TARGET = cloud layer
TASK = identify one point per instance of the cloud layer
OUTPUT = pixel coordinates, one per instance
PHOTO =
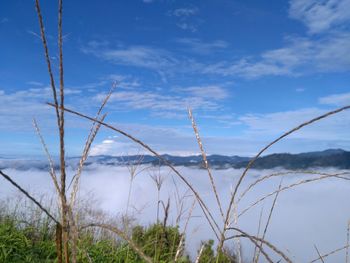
(306, 211)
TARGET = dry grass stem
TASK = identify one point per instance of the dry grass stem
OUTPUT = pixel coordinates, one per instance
(288, 187)
(214, 226)
(261, 179)
(269, 218)
(319, 254)
(182, 239)
(200, 253)
(92, 134)
(329, 253)
(262, 151)
(82, 161)
(237, 240)
(47, 57)
(263, 241)
(205, 161)
(51, 163)
(59, 116)
(347, 242)
(8, 178)
(260, 248)
(258, 233)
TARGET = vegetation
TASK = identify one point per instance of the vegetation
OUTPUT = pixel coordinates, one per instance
(34, 241)
(68, 234)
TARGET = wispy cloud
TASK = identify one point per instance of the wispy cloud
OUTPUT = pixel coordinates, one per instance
(336, 99)
(198, 46)
(185, 18)
(320, 16)
(273, 124)
(157, 102)
(185, 12)
(139, 56)
(300, 56)
(213, 92)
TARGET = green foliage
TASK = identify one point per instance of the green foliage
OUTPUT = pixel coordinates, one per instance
(21, 245)
(35, 242)
(158, 242)
(208, 255)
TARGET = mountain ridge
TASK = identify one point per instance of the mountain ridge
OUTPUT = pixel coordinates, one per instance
(337, 158)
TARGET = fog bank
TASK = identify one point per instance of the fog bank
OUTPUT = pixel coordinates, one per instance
(311, 214)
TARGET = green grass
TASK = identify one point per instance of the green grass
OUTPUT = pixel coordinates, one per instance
(34, 241)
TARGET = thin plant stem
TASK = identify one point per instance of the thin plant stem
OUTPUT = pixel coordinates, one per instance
(8, 178)
(206, 211)
(319, 254)
(205, 161)
(347, 242)
(329, 253)
(288, 187)
(263, 241)
(51, 163)
(261, 179)
(200, 253)
(269, 218)
(124, 236)
(252, 161)
(258, 233)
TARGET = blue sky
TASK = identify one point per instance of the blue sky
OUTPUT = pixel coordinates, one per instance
(250, 70)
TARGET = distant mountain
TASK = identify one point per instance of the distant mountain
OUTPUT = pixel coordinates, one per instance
(329, 158)
(336, 158)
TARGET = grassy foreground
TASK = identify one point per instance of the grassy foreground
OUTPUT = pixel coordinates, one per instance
(30, 237)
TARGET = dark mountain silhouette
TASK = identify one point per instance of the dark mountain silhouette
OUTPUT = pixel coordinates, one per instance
(336, 158)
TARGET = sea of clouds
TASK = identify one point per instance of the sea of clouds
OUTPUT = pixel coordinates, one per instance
(311, 214)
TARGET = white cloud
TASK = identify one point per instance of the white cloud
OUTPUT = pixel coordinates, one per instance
(274, 124)
(306, 204)
(139, 56)
(300, 56)
(185, 12)
(17, 109)
(35, 83)
(185, 18)
(336, 99)
(320, 15)
(209, 92)
(187, 26)
(198, 46)
(163, 104)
